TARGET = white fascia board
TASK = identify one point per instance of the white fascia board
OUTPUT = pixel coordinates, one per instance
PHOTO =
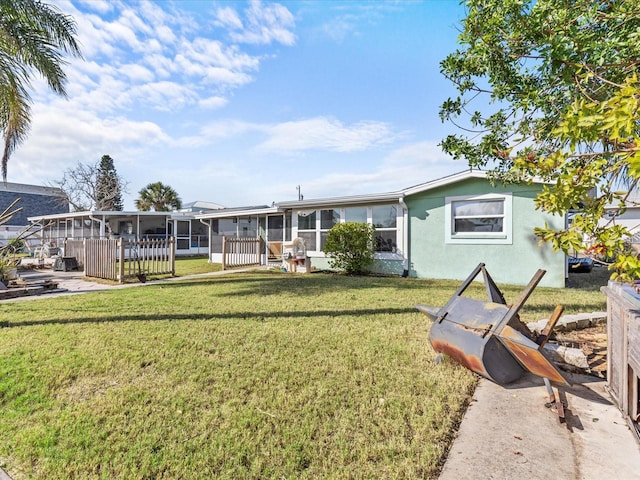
(455, 178)
(102, 213)
(337, 201)
(237, 213)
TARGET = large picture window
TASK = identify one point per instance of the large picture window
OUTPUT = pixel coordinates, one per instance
(383, 217)
(355, 214)
(478, 219)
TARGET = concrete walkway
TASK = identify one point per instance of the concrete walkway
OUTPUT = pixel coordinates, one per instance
(509, 433)
(72, 283)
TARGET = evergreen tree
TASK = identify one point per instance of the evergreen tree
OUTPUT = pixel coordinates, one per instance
(108, 186)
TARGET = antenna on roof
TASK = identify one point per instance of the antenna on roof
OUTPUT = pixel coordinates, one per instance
(300, 196)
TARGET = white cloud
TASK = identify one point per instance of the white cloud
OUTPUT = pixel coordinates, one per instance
(227, 17)
(212, 103)
(64, 139)
(100, 7)
(322, 133)
(264, 24)
(162, 96)
(136, 73)
(340, 28)
(403, 167)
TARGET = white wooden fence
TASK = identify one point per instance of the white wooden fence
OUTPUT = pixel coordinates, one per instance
(120, 259)
(241, 252)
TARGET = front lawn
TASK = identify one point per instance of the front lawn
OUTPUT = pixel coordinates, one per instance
(262, 375)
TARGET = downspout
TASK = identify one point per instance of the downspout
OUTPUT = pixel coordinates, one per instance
(101, 222)
(209, 229)
(405, 236)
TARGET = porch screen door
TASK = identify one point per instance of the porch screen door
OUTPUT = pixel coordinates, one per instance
(275, 230)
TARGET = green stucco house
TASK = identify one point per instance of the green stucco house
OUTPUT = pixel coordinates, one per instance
(459, 221)
(438, 229)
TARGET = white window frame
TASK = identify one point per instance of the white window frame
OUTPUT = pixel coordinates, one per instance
(398, 229)
(497, 238)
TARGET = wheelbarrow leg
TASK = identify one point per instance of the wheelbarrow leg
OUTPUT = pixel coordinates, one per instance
(554, 401)
(541, 340)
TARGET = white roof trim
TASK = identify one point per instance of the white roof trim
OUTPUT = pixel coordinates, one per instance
(454, 178)
(100, 213)
(239, 212)
(350, 200)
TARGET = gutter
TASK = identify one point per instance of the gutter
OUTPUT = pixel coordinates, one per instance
(405, 236)
(102, 224)
(208, 225)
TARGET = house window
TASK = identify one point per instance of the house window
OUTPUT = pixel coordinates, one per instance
(355, 214)
(478, 219)
(328, 218)
(247, 227)
(383, 217)
(307, 228)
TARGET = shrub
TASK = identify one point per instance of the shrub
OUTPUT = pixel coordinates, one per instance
(351, 246)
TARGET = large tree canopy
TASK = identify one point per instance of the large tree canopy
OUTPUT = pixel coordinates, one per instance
(34, 37)
(549, 88)
(159, 197)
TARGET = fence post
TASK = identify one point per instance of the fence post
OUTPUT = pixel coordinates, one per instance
(224, 252)
(121, 260)
(172, 256)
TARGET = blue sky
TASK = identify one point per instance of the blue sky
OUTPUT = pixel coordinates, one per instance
(239, 102)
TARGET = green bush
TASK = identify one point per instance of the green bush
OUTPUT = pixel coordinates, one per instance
(351, 246)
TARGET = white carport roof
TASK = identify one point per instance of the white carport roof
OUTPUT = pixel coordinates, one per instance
(237, 212)
(113, 213)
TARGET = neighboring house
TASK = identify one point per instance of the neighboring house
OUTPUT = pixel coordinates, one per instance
(629, 218)
(199, 207)
(438, 229)
(34, 200)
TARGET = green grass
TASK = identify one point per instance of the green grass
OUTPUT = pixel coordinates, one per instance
(195, 265)
(262, 375)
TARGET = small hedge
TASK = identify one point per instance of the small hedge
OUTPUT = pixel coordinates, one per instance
(351, 246)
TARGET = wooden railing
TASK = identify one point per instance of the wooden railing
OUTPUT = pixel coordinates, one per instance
(241, 252)
(119, 259)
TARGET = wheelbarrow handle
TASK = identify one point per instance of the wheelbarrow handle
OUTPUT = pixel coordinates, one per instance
(548, 328)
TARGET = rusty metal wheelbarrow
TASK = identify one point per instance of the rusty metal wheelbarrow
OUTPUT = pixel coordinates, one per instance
(489, 338)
